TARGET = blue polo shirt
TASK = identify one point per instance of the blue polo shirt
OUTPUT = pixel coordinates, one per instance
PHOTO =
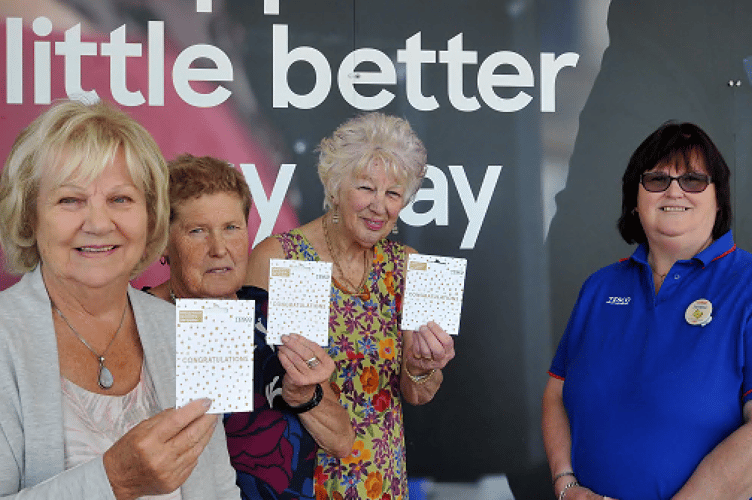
(648, 394)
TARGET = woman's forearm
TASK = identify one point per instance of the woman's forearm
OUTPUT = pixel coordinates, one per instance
(725, 472)
(556, 434)
(329, 424)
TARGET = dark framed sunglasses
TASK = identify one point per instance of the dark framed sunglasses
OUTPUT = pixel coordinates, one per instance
(690, 182)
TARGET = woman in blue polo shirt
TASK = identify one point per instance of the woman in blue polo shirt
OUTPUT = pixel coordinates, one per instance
(649, 390)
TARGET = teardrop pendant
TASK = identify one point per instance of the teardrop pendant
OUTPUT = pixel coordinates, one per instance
(105, 378)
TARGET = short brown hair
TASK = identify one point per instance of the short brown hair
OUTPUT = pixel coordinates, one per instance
(674, 142)
(193, 176)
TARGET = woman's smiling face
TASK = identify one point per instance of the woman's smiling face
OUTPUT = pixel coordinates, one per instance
(91, 234)
(369, 204)
(676, 214)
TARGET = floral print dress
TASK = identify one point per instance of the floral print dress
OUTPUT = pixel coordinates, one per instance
(365, 343)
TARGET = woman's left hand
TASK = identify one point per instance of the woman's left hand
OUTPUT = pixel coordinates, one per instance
(306, 364)
(429, 347)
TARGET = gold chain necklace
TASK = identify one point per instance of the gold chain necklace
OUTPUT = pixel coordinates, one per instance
(360, 290)
(104, 375)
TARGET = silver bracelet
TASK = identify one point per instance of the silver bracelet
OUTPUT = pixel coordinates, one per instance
(562, 474)
(563, 492)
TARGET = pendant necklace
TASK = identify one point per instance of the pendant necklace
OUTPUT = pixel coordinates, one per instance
(360, 291)
(661, 277)
(104, 375)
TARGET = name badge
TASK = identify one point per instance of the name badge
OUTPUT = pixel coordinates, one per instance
(699, 312)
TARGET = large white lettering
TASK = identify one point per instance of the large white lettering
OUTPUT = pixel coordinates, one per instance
(72, 49)
(268, 207)
(438, 194)
(282, 59)
(500, 70)
(348, 77)
(183, 73)
(365, 90)
(475, 207)
(118, 50)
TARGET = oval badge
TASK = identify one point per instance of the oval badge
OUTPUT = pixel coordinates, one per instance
(699, 312)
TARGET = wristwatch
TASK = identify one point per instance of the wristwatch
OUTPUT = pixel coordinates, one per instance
(318, 395)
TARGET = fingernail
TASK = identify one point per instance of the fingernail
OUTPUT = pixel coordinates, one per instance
(206, 403)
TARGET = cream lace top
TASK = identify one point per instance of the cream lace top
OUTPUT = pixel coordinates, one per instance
(93, 422)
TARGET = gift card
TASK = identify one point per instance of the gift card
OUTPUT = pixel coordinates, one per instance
(433, 292)
(299, 292)
(214, 353)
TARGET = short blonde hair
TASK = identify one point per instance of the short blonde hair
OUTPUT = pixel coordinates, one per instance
(82, 139)
(368, 139)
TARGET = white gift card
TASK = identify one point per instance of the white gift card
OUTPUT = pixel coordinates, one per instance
(214, 353)
(433, 292)
(299, 293)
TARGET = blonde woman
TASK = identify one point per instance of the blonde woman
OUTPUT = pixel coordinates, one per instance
(87, 363)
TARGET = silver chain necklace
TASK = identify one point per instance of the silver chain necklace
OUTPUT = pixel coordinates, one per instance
(104, 375)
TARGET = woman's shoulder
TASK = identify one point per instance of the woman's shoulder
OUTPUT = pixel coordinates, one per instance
(301, 243)
(615, 271)
(394, 250)
(738, 265)
(25, 315)
(297, 236)
(395, 247)
(26, 295)
(147, 305)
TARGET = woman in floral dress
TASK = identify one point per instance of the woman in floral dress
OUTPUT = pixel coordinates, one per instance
(370, 167)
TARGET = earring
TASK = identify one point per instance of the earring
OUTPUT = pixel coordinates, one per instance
(395, 229)
(335, 216)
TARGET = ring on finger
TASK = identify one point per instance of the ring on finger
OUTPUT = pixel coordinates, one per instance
(313, 362)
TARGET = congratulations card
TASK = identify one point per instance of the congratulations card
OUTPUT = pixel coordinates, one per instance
(299, 300)
(214, 353)
(433, 292)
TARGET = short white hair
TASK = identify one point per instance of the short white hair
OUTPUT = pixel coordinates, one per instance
(367, 140)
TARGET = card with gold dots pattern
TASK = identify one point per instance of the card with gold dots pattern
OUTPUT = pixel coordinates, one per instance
(434, 286)
(214, 353)
(299, 293)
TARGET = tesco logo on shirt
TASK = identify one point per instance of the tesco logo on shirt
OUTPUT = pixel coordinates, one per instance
(618, 301)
